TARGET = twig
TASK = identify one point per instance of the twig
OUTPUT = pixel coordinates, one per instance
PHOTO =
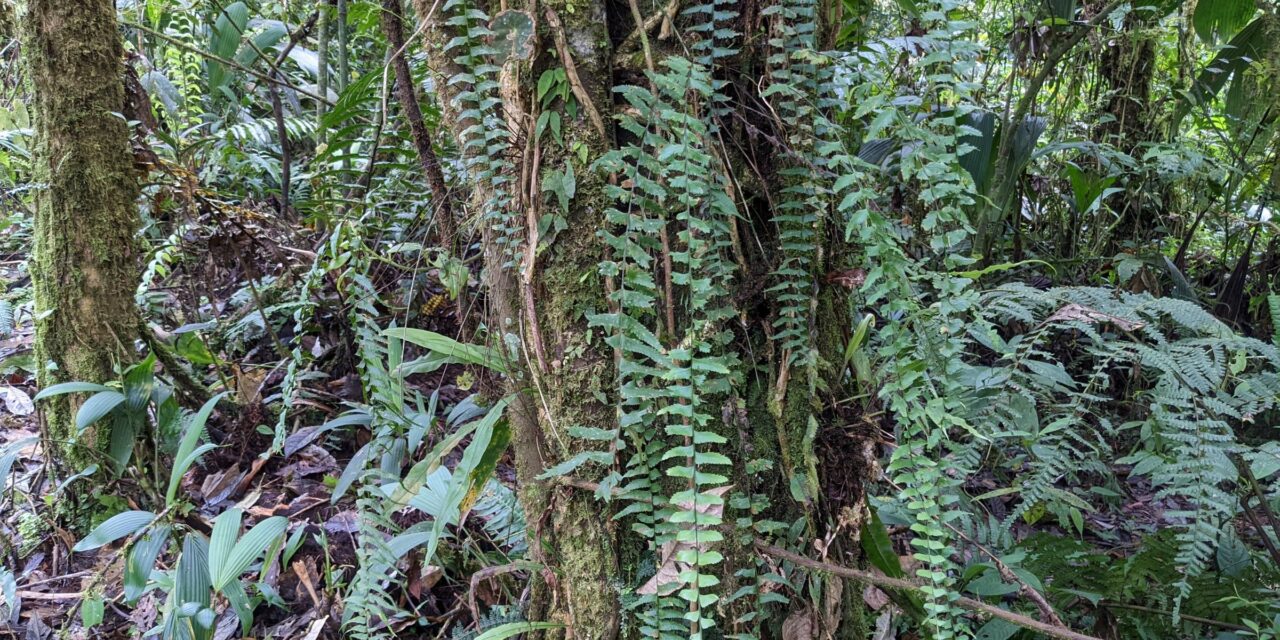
(1247, 472)
(69, 576)
(184, 379)
(571, 73)
(644, 35)
(885, 582)
(266, 321)
(221, 60)
(393, 27)
(277, 109)
(649, 23)
(1138, 607)
(40, 595)
(1046, 610)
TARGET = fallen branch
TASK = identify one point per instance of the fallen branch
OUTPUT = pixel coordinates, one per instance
(882, 581)
(885, 582)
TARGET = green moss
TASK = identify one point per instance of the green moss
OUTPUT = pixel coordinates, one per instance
(84, 264)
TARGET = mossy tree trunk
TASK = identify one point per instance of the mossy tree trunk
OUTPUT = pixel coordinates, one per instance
(567, 372)
(84, 264)
(1127, 68)
(570, 374)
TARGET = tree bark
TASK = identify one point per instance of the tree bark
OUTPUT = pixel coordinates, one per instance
(567, 372)
(571, 538)
(1127, 68)
(84, 264)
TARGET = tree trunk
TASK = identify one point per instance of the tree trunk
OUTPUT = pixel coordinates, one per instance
(1127, 68)
(577, 588)
(84, 264)
(546, 297)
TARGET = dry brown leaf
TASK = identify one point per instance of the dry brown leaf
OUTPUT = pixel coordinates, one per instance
(832, 599)
(798, 626)
(1081, 313)
(218, 486)
(875, 598)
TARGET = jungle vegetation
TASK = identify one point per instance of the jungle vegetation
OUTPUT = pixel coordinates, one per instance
(619, 319)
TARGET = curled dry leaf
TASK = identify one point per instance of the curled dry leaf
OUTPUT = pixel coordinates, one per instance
(1081, 313)
(668, 572)
(18, 402)
(799, 626)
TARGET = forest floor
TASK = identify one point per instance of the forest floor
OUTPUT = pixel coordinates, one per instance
(304, 598)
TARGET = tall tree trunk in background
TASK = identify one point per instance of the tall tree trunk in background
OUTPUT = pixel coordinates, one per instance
(1127, 68)
(84, 264)
(785, 413)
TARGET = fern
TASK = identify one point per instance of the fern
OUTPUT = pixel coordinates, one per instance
(485, 142)
(793, 90)
(1198, 380)
(186, 69)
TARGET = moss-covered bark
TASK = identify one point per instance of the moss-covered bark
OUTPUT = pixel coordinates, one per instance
(568, 373)
(84, 265)
(572, 539)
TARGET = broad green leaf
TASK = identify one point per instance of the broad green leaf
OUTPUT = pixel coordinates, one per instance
(239, 600)
(350, 473)
(978, 161)
(116, 527)
(435, 458)
(997, 629)
(878, 548)
(142, 559)
(191, 581)
(1233, 556)
(510, 629)
(480, 475)
(224, 41)
(138, 383)
(460, 483)
(1221, 19)
(248, 549)
(186, 453)
(70, 387)
(97, 406)
(92, 611)
(432, 341)
(1249, 45)
(10, 456)
(1181, 287)
(123, 430)
(226, 528)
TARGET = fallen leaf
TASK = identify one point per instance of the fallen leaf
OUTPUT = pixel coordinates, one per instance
(18, 402)
(798, 626)
(875, 598)
(1081, 313)
(314, 630)
(343, 522)
(305, 569)
(218, 486)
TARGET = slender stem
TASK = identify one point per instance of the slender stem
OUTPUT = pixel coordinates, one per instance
(322, 68)
(900, 584)
(344, 67)
(221, 60)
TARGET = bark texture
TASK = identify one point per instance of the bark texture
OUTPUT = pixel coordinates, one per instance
(567, 372)
(85, 260)
(574, 541)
